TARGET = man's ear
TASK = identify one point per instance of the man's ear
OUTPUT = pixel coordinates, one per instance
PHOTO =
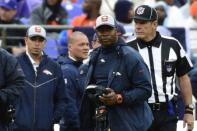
(97, 34)
(25, 39)
(155, 23)
(69, 47)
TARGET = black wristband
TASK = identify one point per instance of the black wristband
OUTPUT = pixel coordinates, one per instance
(188, 112)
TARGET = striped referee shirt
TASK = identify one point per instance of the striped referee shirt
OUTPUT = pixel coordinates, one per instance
(166, 59)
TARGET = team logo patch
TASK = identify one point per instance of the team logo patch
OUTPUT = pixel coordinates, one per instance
(104, 18)
(140, 10)
(169, 68)
(47, 72)
(102, 60)
(37, 29)
(81, 72)
(65, 81)
(117, 73)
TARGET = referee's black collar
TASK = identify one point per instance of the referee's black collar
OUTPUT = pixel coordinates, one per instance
(155, 42)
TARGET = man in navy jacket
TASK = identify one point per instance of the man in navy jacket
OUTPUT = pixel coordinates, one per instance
(123, 73)
(11, 84)
(42, 102)
(78, 47)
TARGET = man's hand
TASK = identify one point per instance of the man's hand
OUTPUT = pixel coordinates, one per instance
(189, 120)
(109, 98)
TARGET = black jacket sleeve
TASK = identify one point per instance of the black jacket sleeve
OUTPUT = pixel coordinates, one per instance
(12, 78)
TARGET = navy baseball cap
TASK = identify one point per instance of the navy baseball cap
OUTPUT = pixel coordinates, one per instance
(8, 4)
(145, 13)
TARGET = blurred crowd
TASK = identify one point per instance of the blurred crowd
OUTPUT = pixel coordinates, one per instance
(83, 13)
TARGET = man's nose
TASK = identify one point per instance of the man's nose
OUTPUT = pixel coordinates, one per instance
(37, 42)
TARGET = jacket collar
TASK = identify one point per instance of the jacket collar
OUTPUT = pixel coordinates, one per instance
(77, 63)
(42, 62)
(62, 60)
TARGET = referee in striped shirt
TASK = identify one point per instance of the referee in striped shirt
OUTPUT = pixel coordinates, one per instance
(166, 59)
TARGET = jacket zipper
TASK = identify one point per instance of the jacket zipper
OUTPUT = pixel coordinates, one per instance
(34, 102)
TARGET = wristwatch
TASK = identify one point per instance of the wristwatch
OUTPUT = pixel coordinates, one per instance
(119, 98)
(190, 106)
(189, 109)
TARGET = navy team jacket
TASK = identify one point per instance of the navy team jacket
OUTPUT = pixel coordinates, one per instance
(42, 102)
(130, 77)
(74, 89)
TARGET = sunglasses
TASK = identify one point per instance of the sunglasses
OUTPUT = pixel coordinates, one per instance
(37, 38)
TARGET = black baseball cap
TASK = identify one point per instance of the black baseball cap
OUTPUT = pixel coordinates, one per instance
(145, 13)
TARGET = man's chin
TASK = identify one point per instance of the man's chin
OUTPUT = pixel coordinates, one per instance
(36, 53)
(106, 44)
(140, 36)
